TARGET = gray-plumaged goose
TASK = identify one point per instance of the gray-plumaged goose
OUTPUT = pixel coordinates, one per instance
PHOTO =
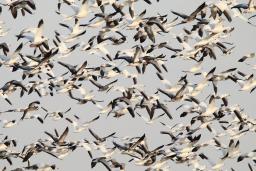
(100, 139)
(33, 149)
(192, 16)
(101, 160)
(106, 87)
(61, 139)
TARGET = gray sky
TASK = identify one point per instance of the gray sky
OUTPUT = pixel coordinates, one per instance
(30, 131)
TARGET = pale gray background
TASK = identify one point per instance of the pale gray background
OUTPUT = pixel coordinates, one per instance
(30, 130)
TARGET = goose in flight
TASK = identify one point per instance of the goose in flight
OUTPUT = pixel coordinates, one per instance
(87, 97)
(33, 106)
(63, 50)
(75, 31)
(81, 127)
(23, 5)
(100, 139)
(249, 7)
(59, 140)
(101, 160)
(80, 12)
(192, 16)
(106, 87)
(37, 39)
(10, 58)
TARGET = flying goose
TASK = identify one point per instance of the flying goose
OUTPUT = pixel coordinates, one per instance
(37, 39)
(61, 139)
(23, 5)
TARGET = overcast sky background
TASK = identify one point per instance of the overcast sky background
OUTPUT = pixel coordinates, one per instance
(29, 131)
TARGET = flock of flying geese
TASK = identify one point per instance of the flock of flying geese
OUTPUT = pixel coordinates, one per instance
(129, 43)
